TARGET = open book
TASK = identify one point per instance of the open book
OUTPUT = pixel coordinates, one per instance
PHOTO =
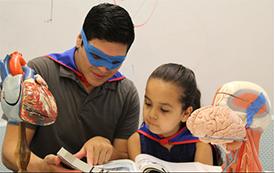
(143, 163)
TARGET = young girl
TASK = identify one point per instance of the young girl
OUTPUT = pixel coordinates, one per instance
(171, 95)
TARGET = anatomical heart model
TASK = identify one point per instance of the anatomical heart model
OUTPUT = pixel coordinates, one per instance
(240, 112)
(23, 101)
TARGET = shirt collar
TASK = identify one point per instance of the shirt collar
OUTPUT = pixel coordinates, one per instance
(69, 69)
(183, 136)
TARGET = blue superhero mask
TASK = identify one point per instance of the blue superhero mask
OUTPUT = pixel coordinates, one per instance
(101, 59)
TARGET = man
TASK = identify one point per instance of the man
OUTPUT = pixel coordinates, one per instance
(98, 108)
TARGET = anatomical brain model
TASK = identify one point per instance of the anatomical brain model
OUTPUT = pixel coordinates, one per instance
(216, 124)
(240, 112)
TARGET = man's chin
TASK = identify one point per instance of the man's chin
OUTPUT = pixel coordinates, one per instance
(96, 83)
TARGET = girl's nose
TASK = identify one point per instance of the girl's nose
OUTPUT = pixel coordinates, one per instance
(155, 117)
(153, 114)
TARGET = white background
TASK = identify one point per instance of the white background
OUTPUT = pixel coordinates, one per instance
(221, 40)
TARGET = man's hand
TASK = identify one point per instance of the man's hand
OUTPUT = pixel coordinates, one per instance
(98, 150)
(51, 163)
(40, 80)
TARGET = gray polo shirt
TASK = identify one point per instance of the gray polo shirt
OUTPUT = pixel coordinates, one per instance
(111, 110)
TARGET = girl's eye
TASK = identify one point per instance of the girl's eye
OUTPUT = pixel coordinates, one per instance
(164, 110)
(147, 104)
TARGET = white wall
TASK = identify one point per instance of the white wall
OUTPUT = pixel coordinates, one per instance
(221, 40)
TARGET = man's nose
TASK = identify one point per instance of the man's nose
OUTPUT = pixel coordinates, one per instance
(103, 69)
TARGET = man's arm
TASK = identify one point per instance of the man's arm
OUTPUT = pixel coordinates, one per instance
(49, 164)
(120, 150)
(128, 125)
(9, 145)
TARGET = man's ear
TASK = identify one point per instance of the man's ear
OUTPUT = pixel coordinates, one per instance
(186, 113)
(78, 41)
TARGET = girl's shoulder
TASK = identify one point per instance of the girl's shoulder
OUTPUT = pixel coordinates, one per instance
(134, 146)
(134, 137)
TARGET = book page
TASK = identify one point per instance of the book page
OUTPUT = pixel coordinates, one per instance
(122, 165)
(145, 163)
